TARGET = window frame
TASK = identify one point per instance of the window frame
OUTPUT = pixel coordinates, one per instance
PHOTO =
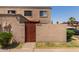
(30, 15)
(43, 16)
(12, 12)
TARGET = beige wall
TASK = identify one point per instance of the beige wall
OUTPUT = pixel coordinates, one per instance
(51, 32)
(18, 29)
(35, 12)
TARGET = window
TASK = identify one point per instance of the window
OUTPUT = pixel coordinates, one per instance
(43, 13)
(27, 13)
(11, 12)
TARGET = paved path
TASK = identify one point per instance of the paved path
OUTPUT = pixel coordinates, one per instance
(30, 47)
(58, 50)
(17, 50)
(42, 50)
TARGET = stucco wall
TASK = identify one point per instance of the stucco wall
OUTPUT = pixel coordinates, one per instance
(35, 13)
(51, 32)
(18, 29)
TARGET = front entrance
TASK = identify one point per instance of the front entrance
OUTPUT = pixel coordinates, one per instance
(30, 32)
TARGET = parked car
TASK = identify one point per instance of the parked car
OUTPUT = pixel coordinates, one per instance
(75, 30)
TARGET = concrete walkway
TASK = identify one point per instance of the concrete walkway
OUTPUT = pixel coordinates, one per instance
(58, 50)
(30, 47)
(42, 50)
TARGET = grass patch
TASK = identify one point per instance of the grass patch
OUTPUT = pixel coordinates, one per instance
(72, 44)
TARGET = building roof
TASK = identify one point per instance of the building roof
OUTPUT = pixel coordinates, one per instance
(47, 7)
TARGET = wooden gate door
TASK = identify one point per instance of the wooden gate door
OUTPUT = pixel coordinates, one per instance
(30, 32)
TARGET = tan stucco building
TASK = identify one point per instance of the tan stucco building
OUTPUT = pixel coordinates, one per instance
(31, 24)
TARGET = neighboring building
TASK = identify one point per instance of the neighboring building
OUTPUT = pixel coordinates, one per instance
(30, 24)
(75, 24)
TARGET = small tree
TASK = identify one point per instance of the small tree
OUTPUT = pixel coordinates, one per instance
(70, 33)
(71, 20)
(5, 38)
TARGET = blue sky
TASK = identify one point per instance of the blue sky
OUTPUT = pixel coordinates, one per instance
(63, 13)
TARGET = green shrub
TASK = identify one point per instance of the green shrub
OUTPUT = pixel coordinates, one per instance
(70, 33)
(5, 38)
